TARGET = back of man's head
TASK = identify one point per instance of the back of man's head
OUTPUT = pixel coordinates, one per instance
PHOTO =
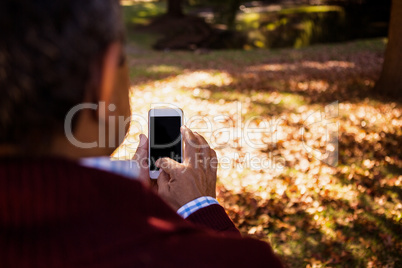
(48, 49)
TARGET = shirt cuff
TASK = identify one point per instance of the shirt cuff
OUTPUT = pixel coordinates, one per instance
(196, 204)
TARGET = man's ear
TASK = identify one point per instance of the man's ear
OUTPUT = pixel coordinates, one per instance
(109, 67)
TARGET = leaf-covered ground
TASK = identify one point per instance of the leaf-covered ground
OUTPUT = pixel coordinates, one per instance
(348, 214)
(313, 214)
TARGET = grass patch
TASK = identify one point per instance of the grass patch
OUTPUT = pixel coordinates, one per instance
(155, 72)
(310, 9)
(141, 13)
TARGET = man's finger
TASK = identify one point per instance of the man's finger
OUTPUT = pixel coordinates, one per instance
(168, 165)
(214, 160)
(204, 156)
(141, 157)
(163, 182)
(142, 150)
(191, 146)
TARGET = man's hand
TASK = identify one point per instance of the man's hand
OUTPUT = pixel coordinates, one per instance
(179, 183)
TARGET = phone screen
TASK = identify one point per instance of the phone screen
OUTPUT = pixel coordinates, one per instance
(165, 139)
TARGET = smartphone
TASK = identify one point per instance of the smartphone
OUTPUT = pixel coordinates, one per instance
(165, 139)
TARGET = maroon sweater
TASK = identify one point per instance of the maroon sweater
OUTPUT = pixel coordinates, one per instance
(56, 213)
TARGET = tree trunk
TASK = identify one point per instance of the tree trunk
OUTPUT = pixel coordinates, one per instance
(390, 82)
(174, 8)
(232, 12)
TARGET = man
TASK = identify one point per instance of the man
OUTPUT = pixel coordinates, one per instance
(55, 211)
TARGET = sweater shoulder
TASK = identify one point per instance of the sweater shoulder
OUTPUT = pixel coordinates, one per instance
(53, 189)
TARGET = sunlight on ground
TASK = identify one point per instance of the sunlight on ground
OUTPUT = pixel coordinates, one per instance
(346, 213)
(329, 65)
(133, 2)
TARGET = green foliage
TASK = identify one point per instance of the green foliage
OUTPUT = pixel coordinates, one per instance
(141, 13)
(294, 27)
(277, 26)
(225, 10)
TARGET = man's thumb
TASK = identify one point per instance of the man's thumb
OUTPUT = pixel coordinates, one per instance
(167, 164)
(142, 150)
